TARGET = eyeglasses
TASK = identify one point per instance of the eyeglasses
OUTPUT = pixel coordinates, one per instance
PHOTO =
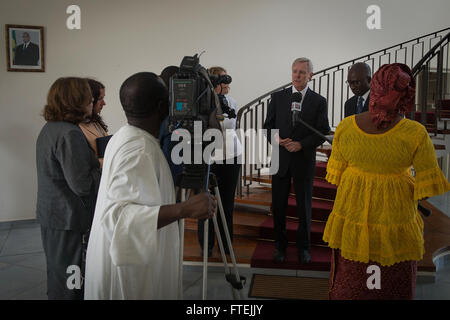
(353, 83)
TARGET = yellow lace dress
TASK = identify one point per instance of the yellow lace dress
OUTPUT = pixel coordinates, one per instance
(375, 216)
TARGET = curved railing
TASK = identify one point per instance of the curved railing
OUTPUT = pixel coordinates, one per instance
(432, 78)
(330, 83)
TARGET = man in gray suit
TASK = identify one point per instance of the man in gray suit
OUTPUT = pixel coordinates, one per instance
(358, 78)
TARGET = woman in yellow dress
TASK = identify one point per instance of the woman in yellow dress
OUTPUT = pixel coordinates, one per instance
(95, 127)
(375, 221)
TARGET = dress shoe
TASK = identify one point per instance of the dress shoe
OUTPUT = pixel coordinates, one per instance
(279, 256)
(304, 256)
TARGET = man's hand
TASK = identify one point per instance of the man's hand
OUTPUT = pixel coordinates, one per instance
(293, 146)
(200, 206)
(280, 141)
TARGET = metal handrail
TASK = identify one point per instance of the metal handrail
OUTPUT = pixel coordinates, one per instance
(430, 54)
(252, 115)
(241, 110)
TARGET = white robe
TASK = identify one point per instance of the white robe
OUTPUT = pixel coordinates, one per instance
(127, 257)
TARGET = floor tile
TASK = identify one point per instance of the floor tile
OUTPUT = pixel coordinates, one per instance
(22, 241)
(24, 224)
(218, 287)
(30, 260)
(436, 291)
(3, 236)
(15, 280)
(442, 202)
(5, 225)
(37, 293)
(418, 293)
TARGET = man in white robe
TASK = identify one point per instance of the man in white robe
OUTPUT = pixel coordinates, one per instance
(134, 242)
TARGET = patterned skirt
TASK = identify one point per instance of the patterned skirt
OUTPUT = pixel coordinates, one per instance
(350, 280)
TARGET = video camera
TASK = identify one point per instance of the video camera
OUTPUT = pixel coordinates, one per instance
(192, 97)
(193, 100)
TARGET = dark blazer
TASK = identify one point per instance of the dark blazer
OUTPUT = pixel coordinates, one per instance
(351, 105)
(68, 175)
(27, 57)
(314, 112)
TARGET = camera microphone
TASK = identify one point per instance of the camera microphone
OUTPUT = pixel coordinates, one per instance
(296, 107)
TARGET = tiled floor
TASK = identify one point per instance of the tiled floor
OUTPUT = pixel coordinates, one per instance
(442, 202)
(23, 269)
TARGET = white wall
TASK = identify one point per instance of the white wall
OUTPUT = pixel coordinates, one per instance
(255, 40)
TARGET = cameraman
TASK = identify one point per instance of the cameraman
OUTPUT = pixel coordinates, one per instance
(226, 170)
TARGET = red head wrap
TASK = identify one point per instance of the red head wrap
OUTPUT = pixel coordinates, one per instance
(392, 91)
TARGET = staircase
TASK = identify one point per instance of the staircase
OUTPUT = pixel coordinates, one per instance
(253, 223)
(322, 204)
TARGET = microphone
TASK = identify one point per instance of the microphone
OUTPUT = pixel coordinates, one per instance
(296, 107)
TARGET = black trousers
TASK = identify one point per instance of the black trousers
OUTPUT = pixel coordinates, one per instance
(63, 249)
(280, 191)
(227, 176)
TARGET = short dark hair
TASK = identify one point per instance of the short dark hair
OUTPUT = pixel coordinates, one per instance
(167, 73)
(96, 86)
(67, 100)
(361, 67)
(142, 94)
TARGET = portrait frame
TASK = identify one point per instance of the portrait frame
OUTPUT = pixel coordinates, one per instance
(21, 58)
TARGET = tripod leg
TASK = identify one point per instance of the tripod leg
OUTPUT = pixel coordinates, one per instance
(181, 232)
(228, 239)
(222, 252)
(205, 259)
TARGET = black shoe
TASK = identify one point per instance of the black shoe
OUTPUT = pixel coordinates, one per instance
(304, 256)
(279, 256)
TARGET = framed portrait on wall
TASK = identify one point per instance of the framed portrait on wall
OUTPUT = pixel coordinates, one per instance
(25, 48)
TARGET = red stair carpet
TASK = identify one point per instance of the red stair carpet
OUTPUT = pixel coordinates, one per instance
(322, 204)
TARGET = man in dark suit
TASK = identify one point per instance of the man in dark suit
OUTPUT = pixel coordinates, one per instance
(26, 54)
(358, 79)
(297, 156)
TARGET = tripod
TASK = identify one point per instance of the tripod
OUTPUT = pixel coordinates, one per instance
(194, 179)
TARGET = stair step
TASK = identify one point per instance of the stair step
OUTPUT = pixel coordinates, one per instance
(243, 249)
(320, 209)
(259, 196)
(245, 223)
(325, 149)
(321, 172)
(430, 117)
(317, 229)
(432, 130)
(445, 114)
(322, 190)
(445, 104)
(321, 169)
(263, 258)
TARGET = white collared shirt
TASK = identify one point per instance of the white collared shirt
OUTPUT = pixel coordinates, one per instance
(303, 92)
(364, 96)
